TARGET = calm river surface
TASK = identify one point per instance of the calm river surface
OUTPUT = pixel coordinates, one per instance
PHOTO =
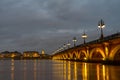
(56, 70)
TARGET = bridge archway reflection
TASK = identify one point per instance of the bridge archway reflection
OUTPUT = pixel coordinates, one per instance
(88, 71)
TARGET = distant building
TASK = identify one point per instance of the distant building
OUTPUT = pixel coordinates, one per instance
(31, 54)
(7, 54)
(15, 54)
(43, 52)
(43, 55)
(4, 54)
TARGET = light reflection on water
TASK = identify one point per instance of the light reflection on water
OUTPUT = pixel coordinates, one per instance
(56, 70)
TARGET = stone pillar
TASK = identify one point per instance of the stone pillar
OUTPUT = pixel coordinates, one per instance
(88, 53)
(106, 48)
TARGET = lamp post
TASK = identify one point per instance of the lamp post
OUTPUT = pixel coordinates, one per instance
(74, 41)
(101, 25)
(64, 46)
(68, 44)
(84, 36)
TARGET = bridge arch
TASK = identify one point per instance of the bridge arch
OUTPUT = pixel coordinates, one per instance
(97, 50)
(61, 56)
(67, 56)
(83, 54)
(64, 56)
(70, 55)
(74, 55)
(114, 52)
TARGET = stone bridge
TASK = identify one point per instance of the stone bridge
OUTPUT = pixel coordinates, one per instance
(104, 49)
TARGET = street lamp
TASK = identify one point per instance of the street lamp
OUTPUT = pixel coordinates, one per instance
(84, 36)
(68, 44)
(64, 46)
(74, 41)
(101, 25)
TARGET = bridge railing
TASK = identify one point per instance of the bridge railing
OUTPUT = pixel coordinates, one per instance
(113, 36)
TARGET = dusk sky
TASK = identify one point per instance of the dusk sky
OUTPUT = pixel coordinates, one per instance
(28, 25)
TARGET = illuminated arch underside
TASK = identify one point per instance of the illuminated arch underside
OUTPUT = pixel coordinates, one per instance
(115, 53)
(97, 53)
(83, 54)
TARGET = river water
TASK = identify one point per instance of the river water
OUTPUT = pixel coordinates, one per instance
(56, 70)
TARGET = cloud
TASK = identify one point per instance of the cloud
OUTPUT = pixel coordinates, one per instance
(48, 24)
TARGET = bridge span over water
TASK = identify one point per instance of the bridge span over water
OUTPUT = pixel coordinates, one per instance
(104, 49)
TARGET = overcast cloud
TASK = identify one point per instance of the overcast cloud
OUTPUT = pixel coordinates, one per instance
(48, 24)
